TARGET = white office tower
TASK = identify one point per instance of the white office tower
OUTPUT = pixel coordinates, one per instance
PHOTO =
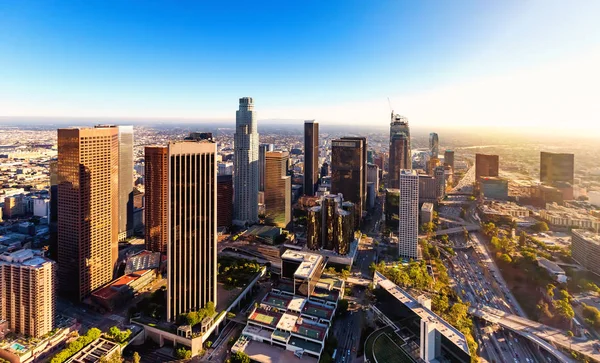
(245, 165)
(408, 215)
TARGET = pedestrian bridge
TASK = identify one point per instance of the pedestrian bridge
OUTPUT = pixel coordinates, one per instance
(454, 230)
(542, 335)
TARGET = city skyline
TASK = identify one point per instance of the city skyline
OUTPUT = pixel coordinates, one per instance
(63, 68)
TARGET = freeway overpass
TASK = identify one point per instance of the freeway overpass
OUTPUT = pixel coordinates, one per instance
(540, 334)
(453, 230)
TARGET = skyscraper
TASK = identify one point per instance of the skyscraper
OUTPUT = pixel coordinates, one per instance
(27, 292)
(278, 189)
(311, 156)
(330, 225)
(347, 174)
(557, 167)
(192, 226)
(434, 145)
(125, 181)
(246, 170)
(449, 159)
(88, 202)
(262, 152)
(156, 172)
(408, 215)
(224, 200)
(363, 166)
(400, 155)
(486, 165)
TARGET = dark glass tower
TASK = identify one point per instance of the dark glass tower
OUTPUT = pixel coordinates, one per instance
(311, 156)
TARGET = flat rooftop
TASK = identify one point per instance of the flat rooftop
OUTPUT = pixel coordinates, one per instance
(94, 351)
(287, 322)
(587, 235)
(266, 353)
(277, 300)
(264, 316)
(318, 311)
(309, 330)
(327, 295)
(442, 326)
(308, 262)
(551, 266)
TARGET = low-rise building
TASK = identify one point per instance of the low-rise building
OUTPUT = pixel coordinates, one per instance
(122, 289)
(95, 351)
(563, 216)
(553, 269)
(426, 214)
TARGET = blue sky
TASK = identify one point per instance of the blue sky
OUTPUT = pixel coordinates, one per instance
(467, 62)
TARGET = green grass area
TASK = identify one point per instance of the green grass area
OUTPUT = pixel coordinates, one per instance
(380, 346)
(236, 272)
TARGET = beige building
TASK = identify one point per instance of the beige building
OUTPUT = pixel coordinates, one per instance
(192, 225)
(88, 223)
(27, 292)
(561, 216)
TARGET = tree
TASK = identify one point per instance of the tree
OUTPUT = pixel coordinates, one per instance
(240, 357)
(505, 258)
(522, 239)
(208, 344)
(550, 290)
(230, 315)
(136, 357)
(183, 353)
(345, 274)
(540, 227)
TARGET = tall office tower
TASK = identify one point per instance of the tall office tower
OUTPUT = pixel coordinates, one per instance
(408, 214)
(27, 292)
(434, 145)
(14, 206)
(278, 189)
(347, 174)
(557, 167)
(311, 156)
(224, 200)
(400, 156)
(330, 226)
(449, 159)
(88, 208)
(440, 181)
(125, 182)
(156, 171)
(486, 165)
(263, 149)
(53, 220)
(246, 171)
(192, 226)
(325, 169)
(363, 167)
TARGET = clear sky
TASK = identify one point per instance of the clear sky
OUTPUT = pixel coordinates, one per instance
(509, 62)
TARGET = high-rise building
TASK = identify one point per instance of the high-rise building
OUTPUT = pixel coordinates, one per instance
(434, 145)
(449, 159)
(440, 182)
(88, 206)
(363, 166)
(373, 175)
(347, 174)
(557, 167)
(330, 226)
(400, 154)
(263, 149)
(53, 220)
(125, 181)
(486, 165)
(224, 200)
(278, 189)
(14, 206)
(27, 292)
(325, 169)
(408, 230)
(156, 170)
(246, 170)
(192, 226)
(311, 156)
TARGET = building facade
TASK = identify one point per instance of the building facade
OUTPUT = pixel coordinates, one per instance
(486, 165)
(494, 188)
(224, 200)
(434, 145)
(330, 226)
(585, 249)
(156, 190)
(88, 207)
(278, 189)
(192, 226)
(125, 181)
(263, 149)
(557, 167)
(449, 159)
(311, 157)
(245, 161)
(408, 229)
(400, 154)
(27, 292)
(347, 173)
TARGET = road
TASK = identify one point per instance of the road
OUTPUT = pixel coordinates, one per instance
(347, 328)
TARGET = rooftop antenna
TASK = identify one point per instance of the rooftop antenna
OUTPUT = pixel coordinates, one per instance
(391, 111)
